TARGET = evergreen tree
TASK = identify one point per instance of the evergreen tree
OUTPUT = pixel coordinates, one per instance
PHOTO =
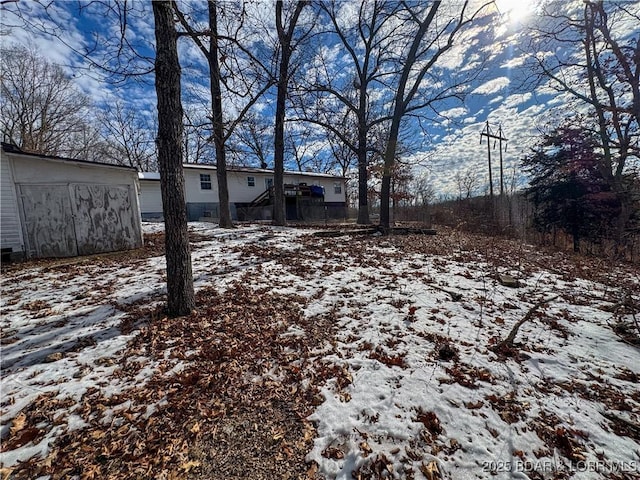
(568, 187)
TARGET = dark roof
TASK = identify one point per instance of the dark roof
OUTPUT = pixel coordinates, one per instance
(10, 148)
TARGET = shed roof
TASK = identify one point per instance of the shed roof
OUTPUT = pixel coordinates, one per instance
(15, 150)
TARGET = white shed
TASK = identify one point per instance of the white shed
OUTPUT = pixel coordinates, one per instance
(60, 207)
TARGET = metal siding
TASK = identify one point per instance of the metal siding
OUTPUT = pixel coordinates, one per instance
(104, 218)
(48, 221)
(10, 227)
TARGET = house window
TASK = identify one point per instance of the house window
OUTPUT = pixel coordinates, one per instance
(251, 181)
(268, 183)
(337, 188)
(205, 181)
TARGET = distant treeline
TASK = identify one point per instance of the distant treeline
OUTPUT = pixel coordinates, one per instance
(513, 216)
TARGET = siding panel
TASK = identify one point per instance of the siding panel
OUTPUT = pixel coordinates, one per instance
(48, 221)
(104, 218)
(150, 198)
(10, 228)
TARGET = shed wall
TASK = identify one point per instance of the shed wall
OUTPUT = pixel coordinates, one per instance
(35, 170)
(10, 228)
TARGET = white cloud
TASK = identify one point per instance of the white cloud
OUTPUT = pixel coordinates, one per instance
(517, 99)
(454, 113)
(515, 62)
(492, 86)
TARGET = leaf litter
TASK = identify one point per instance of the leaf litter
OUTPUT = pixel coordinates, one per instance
(308, 357)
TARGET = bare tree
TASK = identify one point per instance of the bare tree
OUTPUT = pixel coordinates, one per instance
(180, 290)
(608, 61)
(42, 110)
(129, 137)
(254, 138)
(431, 33)
(467, 183)
(228, 72)
(368, 43)
(306, 147)
(424, 192)
(344, 156)
(287, 42)
(197, 147)
(115, 51)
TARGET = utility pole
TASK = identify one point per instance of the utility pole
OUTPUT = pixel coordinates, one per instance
(487, 133)
(500, 139)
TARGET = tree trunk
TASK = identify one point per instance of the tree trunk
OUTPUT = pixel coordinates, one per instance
(385, 190)
(224, 211)
(363, 174)
(180, 292)
(285, 38)
(363, 190)
(399, 110)
(279, 216)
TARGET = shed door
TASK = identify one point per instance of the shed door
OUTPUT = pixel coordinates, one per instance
(104, 218)
(48, 221)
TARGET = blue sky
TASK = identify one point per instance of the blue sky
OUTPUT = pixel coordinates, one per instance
(452, 142)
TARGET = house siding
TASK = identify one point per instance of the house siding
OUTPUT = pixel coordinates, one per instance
(11, 239)
(193, 192)
(150, 199)
(239, 186)
(205, 203)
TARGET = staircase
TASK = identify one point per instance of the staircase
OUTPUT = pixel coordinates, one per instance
(262, 200)
(255, 209)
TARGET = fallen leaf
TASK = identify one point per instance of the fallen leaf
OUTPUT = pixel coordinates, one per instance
(309, 432)
(431, 471)
(98, 434)
(18, 423)
(474, 406)
(22, 438)
(5, 472)
(313, 470)
(333, 452)
(190, 465)
(366, 449)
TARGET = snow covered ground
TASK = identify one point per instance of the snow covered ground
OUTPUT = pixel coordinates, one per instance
(420, 389)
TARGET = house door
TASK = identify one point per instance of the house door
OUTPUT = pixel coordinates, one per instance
(291, 206)
(48, 220)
